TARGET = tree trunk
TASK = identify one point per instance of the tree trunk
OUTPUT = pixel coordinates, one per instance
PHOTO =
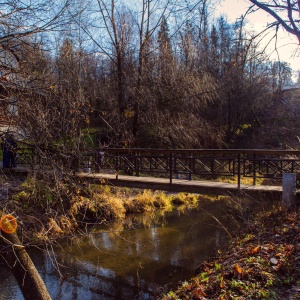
(23, 269)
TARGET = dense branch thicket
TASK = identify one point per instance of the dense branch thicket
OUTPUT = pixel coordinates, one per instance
(159, 74)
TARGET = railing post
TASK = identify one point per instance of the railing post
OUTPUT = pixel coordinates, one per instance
(75, 164)
(254, 169)
(190, 167)
(239, 171)
(97, 161)
(117, 163)
(137, 171)
(33, 161)
(171, 167)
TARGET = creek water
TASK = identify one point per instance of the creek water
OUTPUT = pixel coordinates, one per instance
(139, 258)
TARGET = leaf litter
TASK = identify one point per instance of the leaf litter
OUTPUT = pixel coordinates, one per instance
(262, 263)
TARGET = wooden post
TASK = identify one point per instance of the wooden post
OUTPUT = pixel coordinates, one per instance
(28, 278)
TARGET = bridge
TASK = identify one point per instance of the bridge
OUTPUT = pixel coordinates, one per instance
(187, 170)
(192, 170)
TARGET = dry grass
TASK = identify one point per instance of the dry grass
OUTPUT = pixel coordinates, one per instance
(63, 208)
(184, 199)
(147, 201)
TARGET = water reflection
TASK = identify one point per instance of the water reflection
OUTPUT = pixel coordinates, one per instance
(135, 259)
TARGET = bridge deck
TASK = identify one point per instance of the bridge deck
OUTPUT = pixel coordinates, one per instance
(178, 185)
(181, 185)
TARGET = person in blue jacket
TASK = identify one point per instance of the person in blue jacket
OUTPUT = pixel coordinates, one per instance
(9, 147)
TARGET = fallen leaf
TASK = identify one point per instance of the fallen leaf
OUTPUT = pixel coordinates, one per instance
(255, 250)
(198, 293)
(238, 269)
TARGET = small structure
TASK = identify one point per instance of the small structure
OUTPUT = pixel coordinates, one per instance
(288, 190)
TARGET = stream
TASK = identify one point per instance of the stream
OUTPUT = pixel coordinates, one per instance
(140, 257)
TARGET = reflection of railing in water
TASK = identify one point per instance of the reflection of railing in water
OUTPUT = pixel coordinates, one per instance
(187, 163)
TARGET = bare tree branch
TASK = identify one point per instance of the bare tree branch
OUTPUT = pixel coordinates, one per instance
(275, 11)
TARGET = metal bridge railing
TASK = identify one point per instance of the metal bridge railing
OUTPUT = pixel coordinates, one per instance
(197, 163)
(189, 164)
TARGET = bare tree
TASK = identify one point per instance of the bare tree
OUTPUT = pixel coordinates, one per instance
(24, 24)
(285, 13)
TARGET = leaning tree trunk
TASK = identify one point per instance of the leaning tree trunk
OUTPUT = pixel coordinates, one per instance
(23, 269)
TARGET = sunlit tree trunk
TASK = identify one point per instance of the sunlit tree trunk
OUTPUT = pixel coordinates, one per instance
(28, 278)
